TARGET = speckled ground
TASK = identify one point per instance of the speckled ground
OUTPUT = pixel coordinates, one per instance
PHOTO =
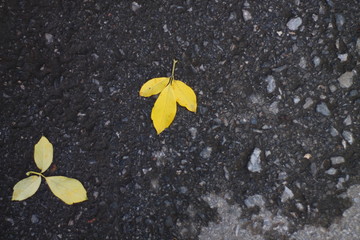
(278, 76)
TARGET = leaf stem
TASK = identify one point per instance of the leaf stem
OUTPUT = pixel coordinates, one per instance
(172, 77)
(36, 173)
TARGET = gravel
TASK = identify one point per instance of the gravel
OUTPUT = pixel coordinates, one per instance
(278, 97)
(337, 160)
(308, 103)
(255, 160)
(294, 23)
(255, 200)
(271, 84)
(323, 109)
(348, 136)
(346, 79)
(286, 195)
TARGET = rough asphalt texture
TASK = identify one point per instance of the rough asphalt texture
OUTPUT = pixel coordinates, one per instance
(272, 153)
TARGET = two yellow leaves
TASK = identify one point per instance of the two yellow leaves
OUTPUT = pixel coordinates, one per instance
(67, 189)
(171, 92)
(71, 190)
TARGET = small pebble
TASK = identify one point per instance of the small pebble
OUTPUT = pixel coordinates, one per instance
(193, 132)
(332, 88)
(348, 136)
(254, 163)
(337, 160)
(34, 218)
(302, 63)
(96, 194)
(340, 20)
(348, 120)
(296, 100)
(346, 79)
(206, 152)
(255, 200)
(343, 57)
(282, 176)
(287, 194)
(271, 84)
(308, 103)
(323, 109)
(226, 172)
(299, 206)
(246, 15)
(274, 107)
(49, 38)
(316, 61)
(331, 171)
(334, 132)
(135, 6)
(294, 23)
(232, 16)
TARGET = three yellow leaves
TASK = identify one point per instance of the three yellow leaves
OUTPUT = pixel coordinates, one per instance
(69, 190)
(171, 92)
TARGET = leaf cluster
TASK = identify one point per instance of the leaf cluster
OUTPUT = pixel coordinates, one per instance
(170, 92)
(69, 190)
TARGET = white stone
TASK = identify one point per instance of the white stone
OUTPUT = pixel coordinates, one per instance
(296, 100)
(246, 15)
(337, 160)
(333, 131)
(294, 23)
(254, 163)
(193, 132)
(135, 6)
(348, 120)
(331, 171)
(308, 103)
(346, 79)
(316, 61)
(302, 63)
(323, 109)
(206, 152)
(49, 38)
(343, 57)
(287, 194)
(348, 136)
(271, 84)
(274, 107)
(255, 200)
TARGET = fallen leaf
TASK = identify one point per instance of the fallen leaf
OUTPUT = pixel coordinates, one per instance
(26, 188)
(43, 154)
(171, 92)
(154, 86)
(185, 96)
(69, 190)
(164, 110)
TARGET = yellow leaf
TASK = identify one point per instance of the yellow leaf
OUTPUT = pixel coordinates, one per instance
(171, 91)
(164, 110)
(185, 96)
(69, 190)
(26, 188)
(43, 154)
(154, 86)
